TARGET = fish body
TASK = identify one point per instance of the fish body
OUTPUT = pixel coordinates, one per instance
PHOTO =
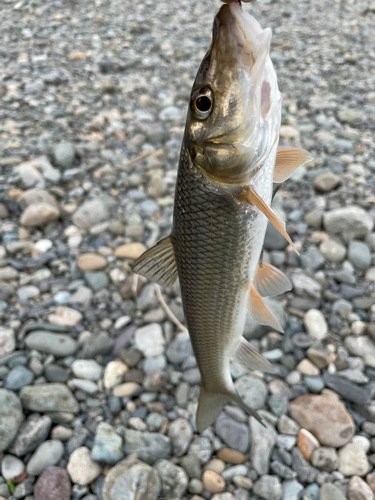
(223, 193)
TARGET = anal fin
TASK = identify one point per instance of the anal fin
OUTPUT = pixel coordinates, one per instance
(260, 311)
(248, 357)
(249, 194)
(287, 161)
(158, 263)
(270, 281)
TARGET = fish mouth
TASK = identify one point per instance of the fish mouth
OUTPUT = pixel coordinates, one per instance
(243, 32)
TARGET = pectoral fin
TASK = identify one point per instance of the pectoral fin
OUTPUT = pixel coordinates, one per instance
(249, 194)
(249, 358)
(260, 311)
(287, 161)
(158, 263)
(270, 281)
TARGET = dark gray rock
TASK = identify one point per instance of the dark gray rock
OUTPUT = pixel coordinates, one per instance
(59, 345)
(263, 442)
(252, 390)
(346, 389)
(11, 417)
(48, 398)
(31, 434)
(149, 446)
(306, 473)
(179, 348)
(234, 434)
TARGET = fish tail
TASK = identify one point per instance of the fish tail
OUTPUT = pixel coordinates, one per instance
(210, 406)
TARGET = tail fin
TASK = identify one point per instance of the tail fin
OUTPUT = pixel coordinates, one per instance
(209, 408)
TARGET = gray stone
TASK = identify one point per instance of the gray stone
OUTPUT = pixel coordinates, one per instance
(149, 446)
(97, 344)
(90, 213)
(359, 489)
(292, 490)
(324, 458)
(181, 433)
(278, 404)
(235, 470)
(348, 115)
(312, 259)
(96, 280)
(359, 255)
(348, 222)
(234, 434)
(174, 479)
(268, 487)
(306, 473)
(329, 491)
(11, 417)
(192, 465)
(31, 434)
(281, 469)
(274, 240)
(312, 491)
(179, 348)
(131, 479)
(59, 345)
(149, 340)
(18, 377)
(55, 373)
(252, 390)
(333, 251)
(86, 369)
(64, 154)
(48, 398)
(360, 345)
(107, 445)
(263, 442)
(25, 488)
(47, 454)
(7, 340)
(326, 182)
(201, 448)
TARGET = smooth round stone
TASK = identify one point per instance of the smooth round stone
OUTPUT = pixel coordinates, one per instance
(18, 377)
(360, 490)
(231, 456)
(86, 369)
(326, 182)
(53, 484)
(87, 386)
(130, 251)
(55, 373)
(181, 433)
(91, 262)
(252, 390)
(48, 453)
(114, 373)
(39, 214)
(333, 251)
(150, 340)
(28, 292)
(315, 384)
(107, 445)
(7, 340)
(213, 482)
(125, 390)
(64, 154)
(91, 212)
(324, 458)
(307, 443)
(348, 222)
(48, 398)
(353, 460)
(11, 417)
(81, 468)
(359, 255)
(60, 345)
(11, 467)
(315, 323)
(61, 298)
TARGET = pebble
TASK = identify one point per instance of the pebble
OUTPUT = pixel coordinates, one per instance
(65, 316)
(149, 446)
(292, 489)
(359, 490)
(352, 460)
(39, 214)
(360, 345)
(81, 468)
(48, 398)
(90, 213)
(307, 443)
(201, 448)
(330, 492)
(47, 454)
(232, 433)
(114, 373)
(231, 456)
(60, 345)
(348, 222)
(213, 482)
(305, 472)
(53, 483)
(18, 377)
(125, 390)
(181, 434)
(11, 467)
(86, 369)
(149, 340)
(359, 255)
(326, 182)
(252, 390)
(179, 348)
(64, 154)
(333, 251)
(325, 458)
(325, 417)
(315, 324)
(174, 479)
(107, 444)
(91, 262)
(263, 442)
(268, 487)
(11, 417)
(137, 479)
(31, 434)
(130, 251)
(7, 340)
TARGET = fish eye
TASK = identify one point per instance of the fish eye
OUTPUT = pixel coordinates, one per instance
(202, 103)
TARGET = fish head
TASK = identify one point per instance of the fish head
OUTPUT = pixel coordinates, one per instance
(235, 105)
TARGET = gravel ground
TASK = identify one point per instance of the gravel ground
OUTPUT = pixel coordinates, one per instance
(98, 389)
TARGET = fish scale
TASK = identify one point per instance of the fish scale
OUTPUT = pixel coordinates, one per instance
(217, 244)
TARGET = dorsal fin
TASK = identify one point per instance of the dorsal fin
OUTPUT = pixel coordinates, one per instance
(158, 263)
(287, 161)
(270, 281)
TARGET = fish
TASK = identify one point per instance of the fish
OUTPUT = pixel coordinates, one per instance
(229, 166)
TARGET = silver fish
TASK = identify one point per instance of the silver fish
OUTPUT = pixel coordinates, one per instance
(222, 203)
